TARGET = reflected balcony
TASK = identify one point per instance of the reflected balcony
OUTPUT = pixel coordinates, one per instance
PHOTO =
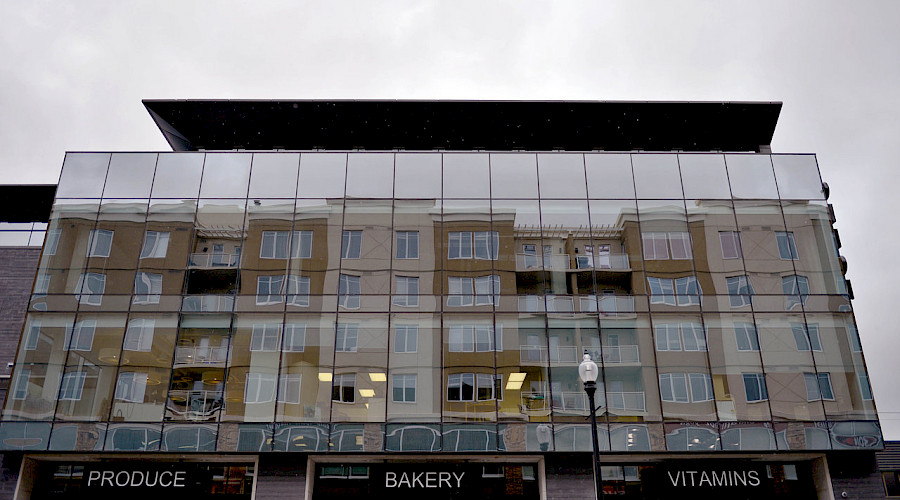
(530, 355)
(564, 262)
(194, 405)
(214, 260)
(200, 355)
(207, 303)
(616, 305)
(619, 402)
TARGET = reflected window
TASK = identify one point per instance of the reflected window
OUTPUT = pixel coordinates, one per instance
(818, 386)
(80, 336)
(147, 288)
(274, 245)
(100, 243)
(487, 290)
(404, 388)
(681, 291)
(346, 336)
(796, 288)
(865, 390)
(755, 387)
(673, 387)
(406, 338)
(787, 248)
(41, 284)
(745, 337)
(131, 387)
(156, 244)
(51, 242)
(268, 289)
(487, 244)
(739, 290)
(460, 245)
(806, 337)
(407, 244)
(294, 337)
(461, 387)
(90, 287)
(348, 291)
(264, 337)
(259, 388)
(657, 245)
(688, 336)
(475, 338)
(692, 438)
(351, 244)
(139, 335)
(72, 385)
(298, 291)
(33, 335)
(407, 291)
(730, 241)
(289, 388)
(461, 291)
(343, 389)
(20, 387)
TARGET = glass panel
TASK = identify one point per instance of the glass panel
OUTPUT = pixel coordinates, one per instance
(225, 175)
(78, 437)
(130, 175)
(370, 175)
(322, 175)
(306, 363)
(562, 175)
(609, 175)
(412, 437)
(417, 175)
(414, 380)
(656, 176)
(80, 175)
(133, 437)
(513, 175)
(178, 175)
(466, 175)
(704, 176)
(798, 177)
(274, 175)
(751, 176)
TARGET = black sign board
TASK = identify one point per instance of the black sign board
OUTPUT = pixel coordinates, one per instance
(145, 479)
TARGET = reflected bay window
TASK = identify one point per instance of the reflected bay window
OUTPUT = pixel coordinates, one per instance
(298, 290)
(72, 385)
(139, 335)
(681, 291)
(459, 245)
(80, 336)
(461, 291)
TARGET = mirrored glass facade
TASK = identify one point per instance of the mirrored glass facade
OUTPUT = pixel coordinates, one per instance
(437, 302)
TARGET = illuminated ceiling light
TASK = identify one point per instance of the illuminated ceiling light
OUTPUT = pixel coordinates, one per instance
(377, 377)
(324, 376)
(513, 386)
(517, 377)
(367, 393)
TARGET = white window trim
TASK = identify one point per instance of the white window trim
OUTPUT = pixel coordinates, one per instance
(267, 282)
(348, 238)
(408, 331)
(407, 240)
(159, 247)
(735, 237)
(761, 388)
(131, 387)
(293, 331)
(404, 296)
(71, 387)
(286, 382)
(404, 378)
(342, 341)
(349, 288)
(259, 388)
(144, 331)
(153, 284)
(94, 242)
(264, 337)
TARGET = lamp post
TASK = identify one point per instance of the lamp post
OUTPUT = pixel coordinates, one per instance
(588, 373)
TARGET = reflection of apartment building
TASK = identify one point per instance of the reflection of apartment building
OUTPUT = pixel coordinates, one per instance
(372, 307)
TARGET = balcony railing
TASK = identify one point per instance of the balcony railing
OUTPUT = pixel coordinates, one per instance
(207, 303)
(195, 405)
(611, 305)
(577, 401)
(620, 354)
(532, 354)
(214, 260)
(200, 355)
(563, 262)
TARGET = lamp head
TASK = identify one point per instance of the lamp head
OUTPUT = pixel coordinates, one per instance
(587, 370)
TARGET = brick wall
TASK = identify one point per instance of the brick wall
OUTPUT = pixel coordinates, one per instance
(17, 268)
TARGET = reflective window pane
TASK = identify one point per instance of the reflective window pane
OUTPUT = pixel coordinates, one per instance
(417, 175)
(178, 175)
(704, 176)
(81, 175)
(370, 175)
(513, 175)
(322, 175)
(466, 175)
(274, 175)
(562, 175)
(225, 175)
(130, 175)
(798, 177)
(751, 176)
(609, 175)
(656, 176)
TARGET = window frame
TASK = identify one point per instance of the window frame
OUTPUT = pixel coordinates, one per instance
(349, 290)
(759, 381)
(408, 242)
(740, 290)
(346, 337)
(343, 384)
(751, 341)
(160, 246)
(787, 245)
(404, 387)
(83, 291)
(287, 381)
(403, 296)
(153, 284)
(351, 244)
(144, 338)
(267, 283)
(407, 332)
(71, 386)
(97, 246)
(291, 332)
(131, 387)
(257, 382)
(265, 337)
(463, 245)
(734, 249)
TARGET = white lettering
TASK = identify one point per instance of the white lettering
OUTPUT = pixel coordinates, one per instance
(163, 473)
(720, 481)
(742, 477)
(674, 480)
(179, 479)
(704, 477)
(107, 476)
(417, 479)
(155, 479)
(127, 476)
(134, 478)
(691, 472)
(754, 477)
(405, 479)
(444, 476)
(430, 479)
(390, 479)
(459, 478)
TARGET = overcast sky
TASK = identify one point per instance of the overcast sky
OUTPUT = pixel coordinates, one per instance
(72, 76)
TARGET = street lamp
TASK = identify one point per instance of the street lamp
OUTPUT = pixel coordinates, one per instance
(588, 372)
